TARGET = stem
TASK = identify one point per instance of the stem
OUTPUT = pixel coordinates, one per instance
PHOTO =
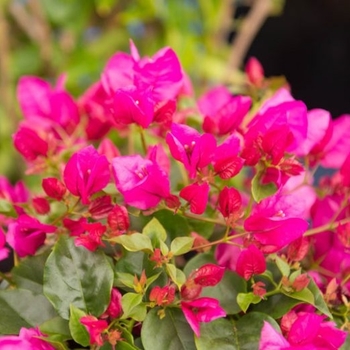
(202, 218)
(6, 278)
(326, 227)
(143, 140)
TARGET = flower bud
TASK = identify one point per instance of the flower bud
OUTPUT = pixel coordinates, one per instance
(230, 203)
(41, 205)
(255, 72)
(100, 207)
(118, 220)
(54, 188)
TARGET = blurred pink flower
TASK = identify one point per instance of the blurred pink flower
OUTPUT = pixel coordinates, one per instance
(189, 147)
(223, 112)
(26, 234)
(86, 173)
(28, 339)
(141, 181)
(95, 327)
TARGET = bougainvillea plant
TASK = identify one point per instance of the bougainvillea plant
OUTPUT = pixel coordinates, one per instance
(164, 222)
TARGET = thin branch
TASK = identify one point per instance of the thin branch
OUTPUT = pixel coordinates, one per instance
(250, 27)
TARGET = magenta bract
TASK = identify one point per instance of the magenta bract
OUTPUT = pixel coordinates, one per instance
(251, 262)
(26, 234)
(201, 310)
(95, 327)
(142, 182)
(197, 196)
(86, 173)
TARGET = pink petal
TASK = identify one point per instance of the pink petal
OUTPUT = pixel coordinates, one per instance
(197, 196)
(271, 339)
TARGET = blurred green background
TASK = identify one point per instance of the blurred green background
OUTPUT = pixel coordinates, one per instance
(76, 37)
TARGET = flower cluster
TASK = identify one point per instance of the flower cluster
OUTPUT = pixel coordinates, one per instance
(158, 225)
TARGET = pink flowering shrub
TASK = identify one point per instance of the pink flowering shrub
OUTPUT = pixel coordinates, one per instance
(205, 229)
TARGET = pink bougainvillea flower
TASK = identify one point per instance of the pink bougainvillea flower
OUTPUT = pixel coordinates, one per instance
(226, 162)
(201, 310)
(100, 207)
(92, 238)
(251, 261)
(271, 339)
(75, 227)
(39, 101)
(230, 204)
(54, 188)
(337, 149)
(319, 121)
(133, 106)
(4, 252)
(158, 155)
(95, 327)
(255, 72)
(162, 73)
(99, 117)
(141, 181)
(197, 196)
(26, 234)
(280, 111)
(114, 309)
(86, 173)
(26, 339)
(191, 148)
(276, 222)
(307, 330)
(345, 172)
(29, 144)
(223, 113)
(109, 149)
(227, 254)
(118, 220)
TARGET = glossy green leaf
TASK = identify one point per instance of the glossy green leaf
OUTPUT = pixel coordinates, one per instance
(155, 231)
(249, 329)
(177, 276)
(261, 191)
(245, 299)
(133, 307)
(319, 302)
(276, 305)
(74, 275)
(181, 245)
(304, 295)
(226, 291)
(135, 242)
(78, 330)
(22, 308)
(171, 332)
(58, 327)
(282, 266)
(29, 273)
(216, 335)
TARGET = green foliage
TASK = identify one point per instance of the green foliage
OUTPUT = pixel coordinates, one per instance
(74, 275)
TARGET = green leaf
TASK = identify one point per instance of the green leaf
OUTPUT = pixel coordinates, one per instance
(319, 302)
(171, 332)
(78, 330)
(29, 273)
(216, 335)
(245, 299)
(282, 266)
(155, 231)
(249, 329)
(163, 248)
(226, 291)
(304, 295)
(56, 326)
(124, 279)
(75, 275)
(133, 307)
(181, 245)
(135, 242)
(22, 308)
(7, 209)
(276, 305)
(177, 276)
(261, 191)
